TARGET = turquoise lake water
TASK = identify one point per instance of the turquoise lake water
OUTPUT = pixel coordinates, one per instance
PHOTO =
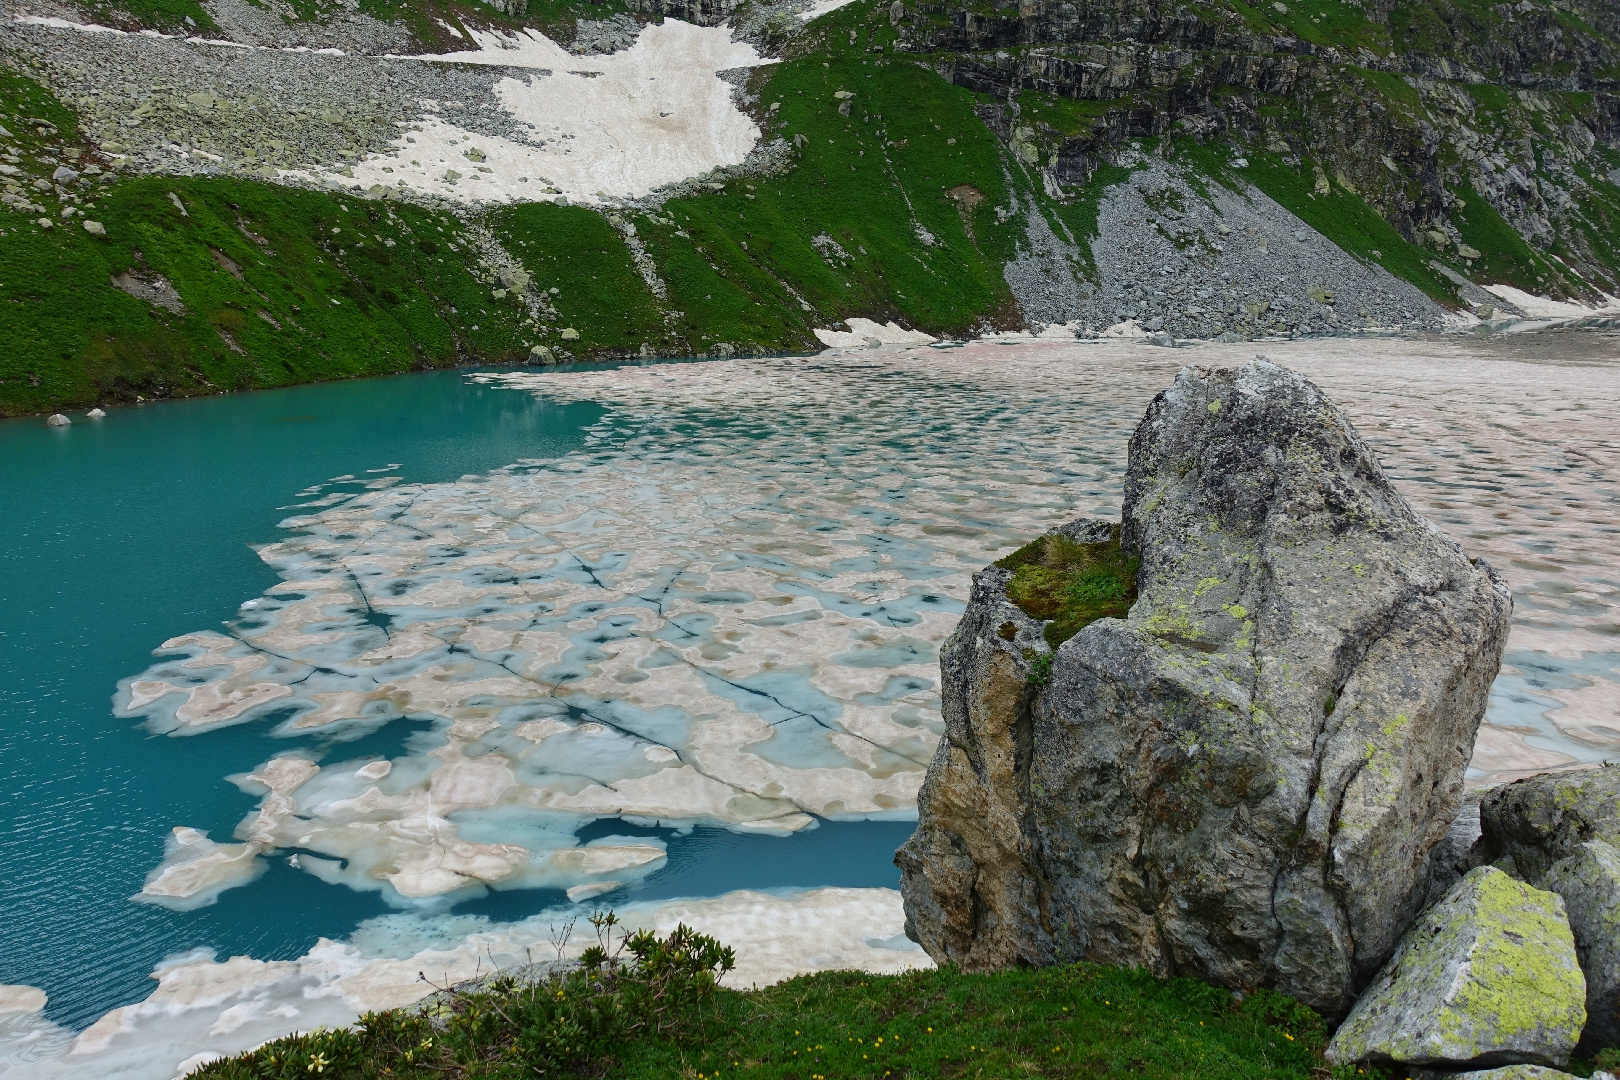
(117, 535)
(532, 602)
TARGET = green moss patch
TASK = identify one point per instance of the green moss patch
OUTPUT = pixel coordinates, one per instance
(1070, 585)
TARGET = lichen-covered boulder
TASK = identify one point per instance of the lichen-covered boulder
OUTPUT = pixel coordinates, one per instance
(1240, 774)
(1510, 1072)
(1488, 976)
(1542, 819)
(1589, 882)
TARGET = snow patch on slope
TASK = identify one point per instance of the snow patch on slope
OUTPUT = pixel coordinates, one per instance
(822, 7)
(1541, 307)
(864, 333)
(602, 128)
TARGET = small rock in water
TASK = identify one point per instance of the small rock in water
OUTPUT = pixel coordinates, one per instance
(57, 420)
(95, 414)
(1589, 882)
(1488, 976)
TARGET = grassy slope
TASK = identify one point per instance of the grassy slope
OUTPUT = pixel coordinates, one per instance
(1075, 1021)
(740, 263)
(1083, 1020)
(866, 181)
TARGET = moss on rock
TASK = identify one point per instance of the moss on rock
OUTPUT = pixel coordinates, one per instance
(1070, 584)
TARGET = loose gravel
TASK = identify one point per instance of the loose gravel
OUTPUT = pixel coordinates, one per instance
(1205, 263)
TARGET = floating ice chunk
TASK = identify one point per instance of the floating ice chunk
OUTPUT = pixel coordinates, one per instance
(595, 888)
(604, 857)
(21, 999)
(195, 870)
(283, 775)
(26, 1037)
(435, 868)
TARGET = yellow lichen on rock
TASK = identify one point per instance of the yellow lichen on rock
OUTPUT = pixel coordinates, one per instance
(1488, 976)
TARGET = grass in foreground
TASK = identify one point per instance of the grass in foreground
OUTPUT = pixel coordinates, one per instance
(660, 1013)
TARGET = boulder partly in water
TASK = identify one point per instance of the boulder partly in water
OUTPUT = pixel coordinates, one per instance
(1237, 766)
(1539, 820)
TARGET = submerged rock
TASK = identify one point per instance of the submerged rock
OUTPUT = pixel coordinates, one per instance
(1542, 819)
(1589, 882)
(1242, 778)
(1488, 976)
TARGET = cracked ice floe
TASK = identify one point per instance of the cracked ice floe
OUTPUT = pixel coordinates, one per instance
(204, 1008)
(672, 628)
(600, 127)
(727, 609)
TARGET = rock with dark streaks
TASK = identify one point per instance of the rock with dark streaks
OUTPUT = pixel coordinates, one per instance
(1222, 738)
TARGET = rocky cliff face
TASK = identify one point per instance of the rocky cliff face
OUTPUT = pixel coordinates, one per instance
(1419, 108)
(1243, 778)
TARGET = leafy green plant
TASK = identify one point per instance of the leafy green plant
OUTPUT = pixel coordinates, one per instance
(1040, 669)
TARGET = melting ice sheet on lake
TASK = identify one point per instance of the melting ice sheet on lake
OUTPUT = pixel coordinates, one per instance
(727, 610)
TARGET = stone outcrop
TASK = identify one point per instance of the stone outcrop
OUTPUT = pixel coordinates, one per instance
(1488, 976)
(1539, 820)
(1589, 882)
(1243, 779)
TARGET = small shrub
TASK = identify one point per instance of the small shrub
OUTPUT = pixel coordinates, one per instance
(639, 986)
(1040, 669)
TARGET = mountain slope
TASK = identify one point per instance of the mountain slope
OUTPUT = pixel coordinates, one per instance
(955, 167)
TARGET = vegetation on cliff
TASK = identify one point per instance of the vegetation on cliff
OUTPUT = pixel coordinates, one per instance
(924, 146)
(1071, 585)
